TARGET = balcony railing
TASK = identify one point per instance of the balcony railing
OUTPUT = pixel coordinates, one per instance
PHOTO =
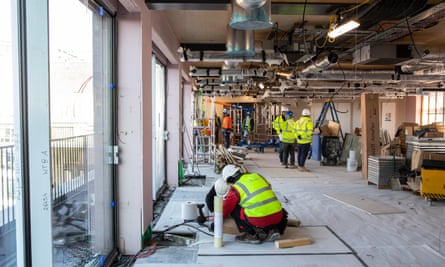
(72, 164)
(7, 196)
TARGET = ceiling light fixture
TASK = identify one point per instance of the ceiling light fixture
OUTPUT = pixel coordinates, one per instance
(343, 28)
(261, 86)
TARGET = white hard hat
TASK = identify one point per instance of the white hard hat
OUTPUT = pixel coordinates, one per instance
(221, 187)
(229, 171)
(306, 112)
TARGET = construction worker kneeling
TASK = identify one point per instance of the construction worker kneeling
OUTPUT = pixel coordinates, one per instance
(250, 201)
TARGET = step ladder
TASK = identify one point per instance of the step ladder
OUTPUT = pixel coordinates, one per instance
(328, 106)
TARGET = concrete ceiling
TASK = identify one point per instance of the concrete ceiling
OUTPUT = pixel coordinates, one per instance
(397, 50)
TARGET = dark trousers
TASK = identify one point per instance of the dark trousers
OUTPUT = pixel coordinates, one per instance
(226, 134)
(303, 151)
(288, 151)
(280, 152)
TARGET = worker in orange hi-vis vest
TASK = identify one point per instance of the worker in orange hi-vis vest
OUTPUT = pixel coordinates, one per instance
(226, 127)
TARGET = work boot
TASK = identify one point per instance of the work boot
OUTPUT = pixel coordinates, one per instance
(272, 236)
(248, 238)
(304, 169)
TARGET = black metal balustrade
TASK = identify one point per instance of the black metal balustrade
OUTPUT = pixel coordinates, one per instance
(72, 164)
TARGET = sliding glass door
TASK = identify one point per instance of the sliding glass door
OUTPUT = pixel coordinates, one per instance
(56, 138)
(11, 179)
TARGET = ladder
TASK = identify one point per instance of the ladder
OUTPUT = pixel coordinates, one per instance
(328, 106)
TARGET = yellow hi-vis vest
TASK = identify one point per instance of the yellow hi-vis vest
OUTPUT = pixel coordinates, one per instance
(247, 124)
(289, 131)
(279, 124)
(256, 196)
(304, 128)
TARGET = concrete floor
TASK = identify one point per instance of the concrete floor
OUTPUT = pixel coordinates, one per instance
(412, 235)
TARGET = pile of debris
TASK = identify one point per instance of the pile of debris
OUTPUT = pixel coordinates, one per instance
(233, 155)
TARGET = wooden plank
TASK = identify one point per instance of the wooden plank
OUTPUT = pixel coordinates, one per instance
(289, 243)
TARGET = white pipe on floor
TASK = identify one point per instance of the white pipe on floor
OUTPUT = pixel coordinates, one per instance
(218, 222)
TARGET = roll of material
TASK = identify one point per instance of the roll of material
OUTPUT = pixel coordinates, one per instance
(189, 211)
(218, 222)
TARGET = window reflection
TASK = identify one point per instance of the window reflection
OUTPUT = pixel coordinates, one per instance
(8, 208)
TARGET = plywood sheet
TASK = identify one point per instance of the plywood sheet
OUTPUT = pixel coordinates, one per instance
(281, 172)
(364, 204)
(335, 260)
(324, 242)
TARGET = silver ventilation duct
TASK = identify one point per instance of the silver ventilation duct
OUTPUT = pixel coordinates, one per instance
(321, 64)
(423, 68)
(250, 3)
(271, 58)
(251, 18)
(240, 42)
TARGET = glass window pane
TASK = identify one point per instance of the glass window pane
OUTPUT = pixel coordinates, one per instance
(11, 186)
(425, 107)
(80, 103)
(439, 108)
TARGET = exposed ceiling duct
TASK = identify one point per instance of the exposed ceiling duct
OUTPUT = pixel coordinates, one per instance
(250, 3)
(185, 55)
(368, 58)
(251, 15)
(321, 64)
(240, 42)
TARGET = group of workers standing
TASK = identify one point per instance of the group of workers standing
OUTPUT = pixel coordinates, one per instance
(293, 132)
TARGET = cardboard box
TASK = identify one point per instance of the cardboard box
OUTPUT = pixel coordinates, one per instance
(434, 156)
(329, 128)
(433, 134)
(418, 156)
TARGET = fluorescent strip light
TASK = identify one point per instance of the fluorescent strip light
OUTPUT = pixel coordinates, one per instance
(344, 28)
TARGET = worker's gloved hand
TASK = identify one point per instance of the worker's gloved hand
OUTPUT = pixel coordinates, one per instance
(280, 136)
(299, 137)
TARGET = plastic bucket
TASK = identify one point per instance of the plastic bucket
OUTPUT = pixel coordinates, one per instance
(351, 165)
